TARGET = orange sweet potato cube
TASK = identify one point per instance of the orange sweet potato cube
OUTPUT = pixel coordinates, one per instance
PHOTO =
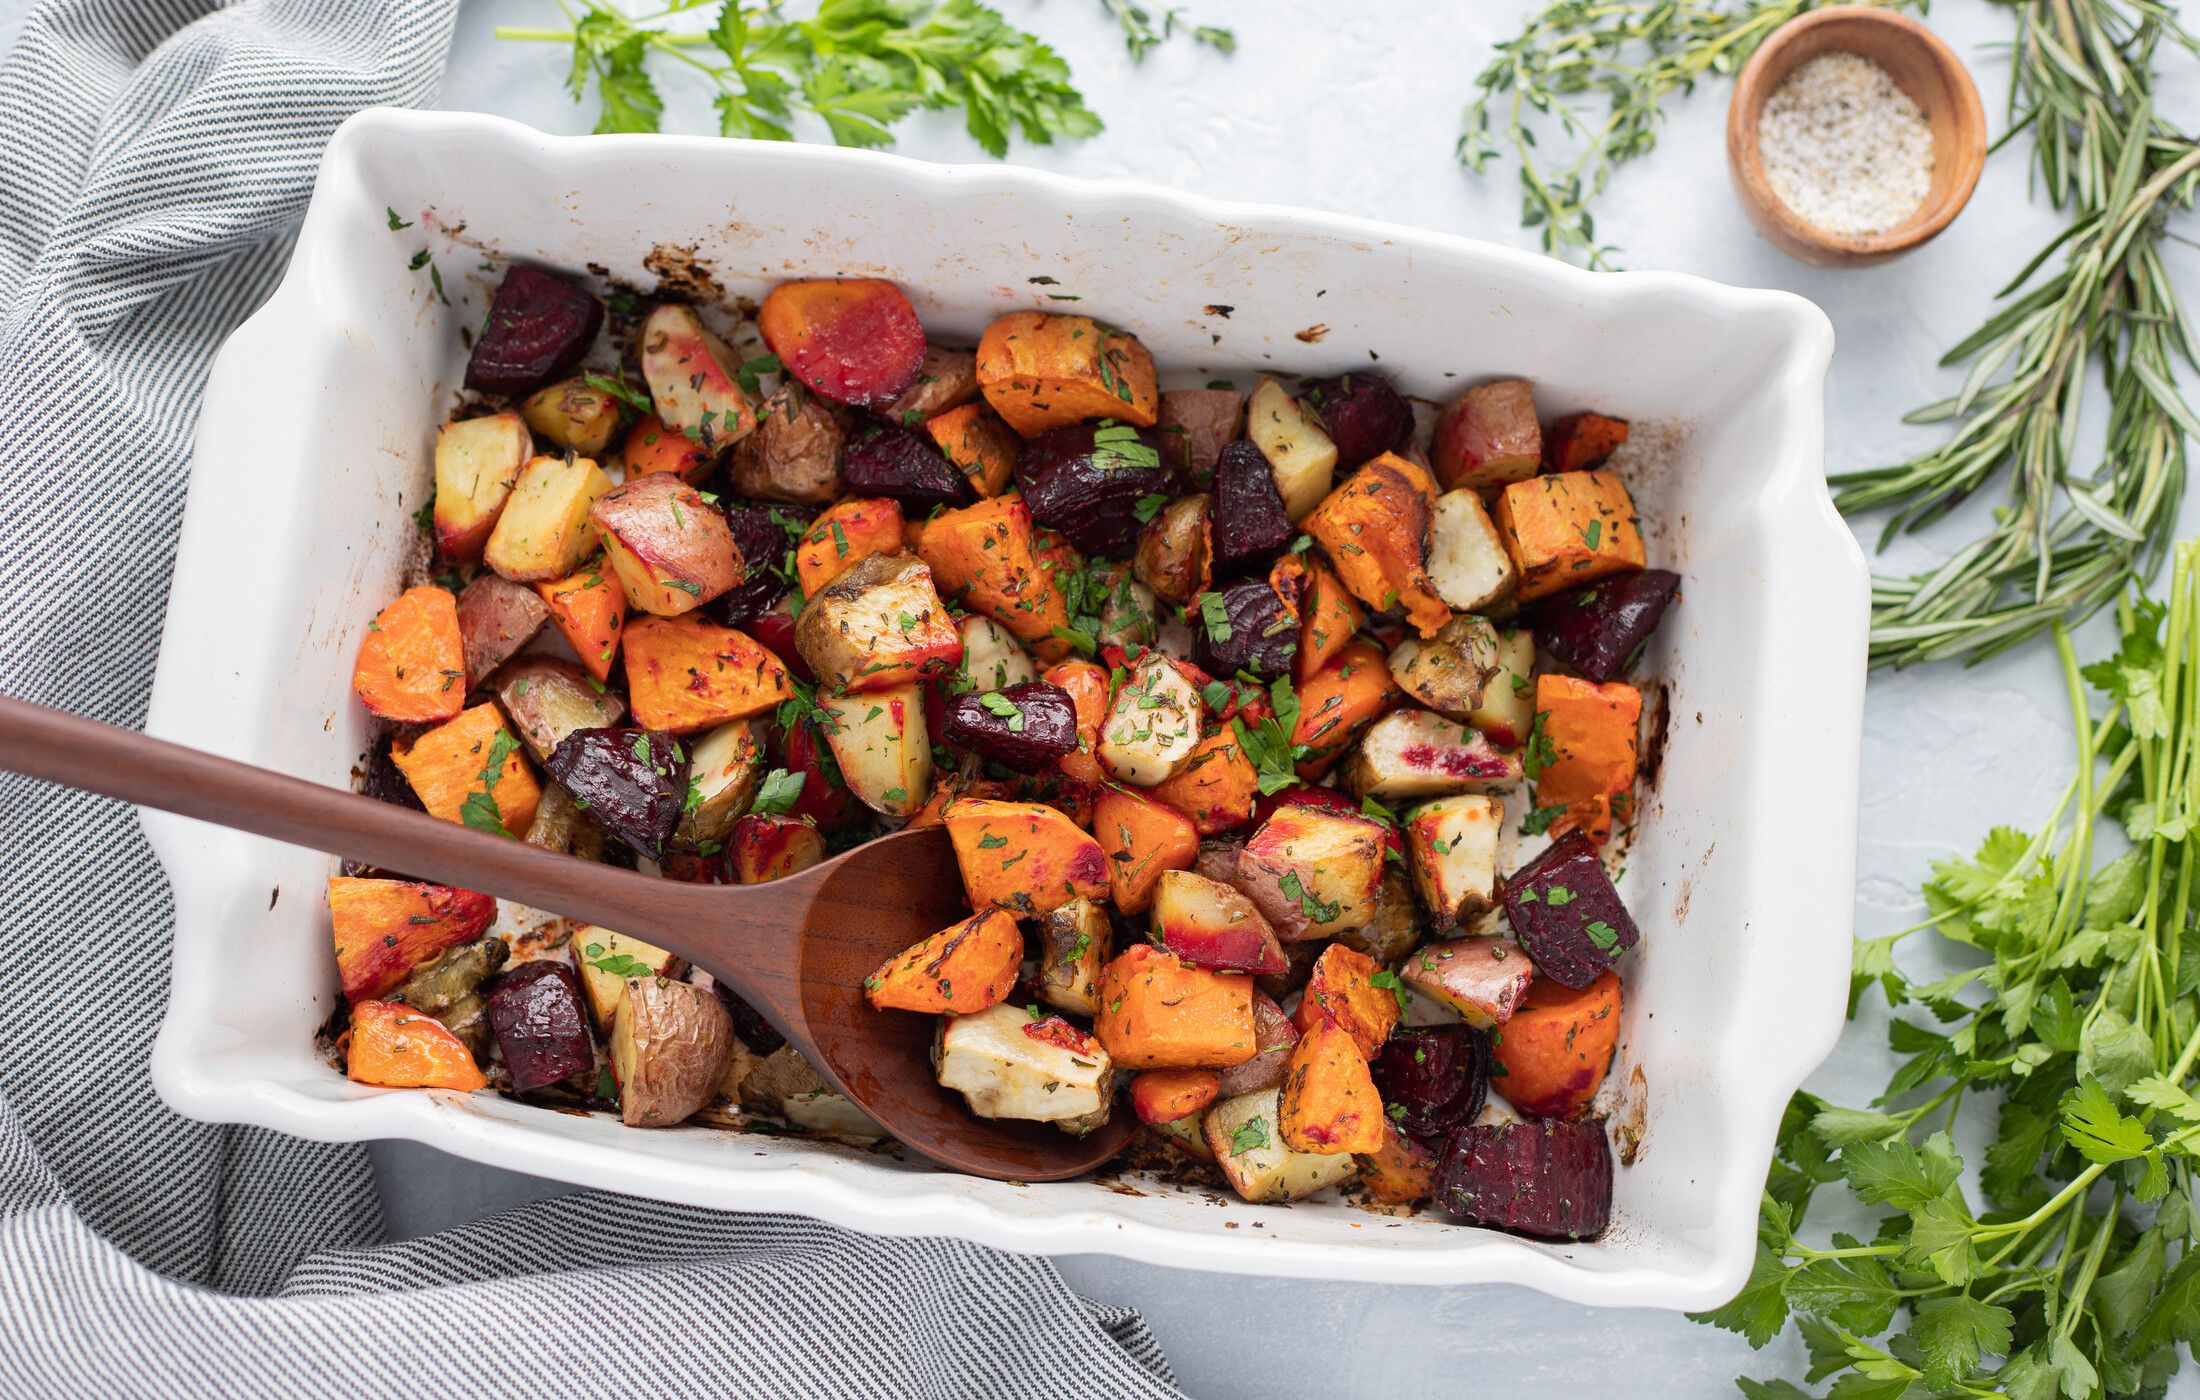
(1024, 856)
(1400, 1172)
(470, 771)
(978, 443)
(1087, 685)
(1568, 528)
(1342, 989)
(1160, 1012)
(386, 928)
(985, 557)
(1585, 747)
(412, 662)
(686, 673)
(1165, 1095)
(589, 610)
(1375, 529)
(1580, 441)
(400, 1048)
(1142, 838)
(1040, 371)
(851, 530)
(1340, 700)
(1329, 618)
(962, 969)
(1216, 787)
(1329, 1103)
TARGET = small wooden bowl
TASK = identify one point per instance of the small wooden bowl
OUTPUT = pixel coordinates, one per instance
(1922, 66)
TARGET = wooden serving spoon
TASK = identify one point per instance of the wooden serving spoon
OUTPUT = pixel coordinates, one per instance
(796, 949)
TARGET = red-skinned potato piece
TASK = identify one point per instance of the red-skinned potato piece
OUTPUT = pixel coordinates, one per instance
(386, 928)
(962, 969)
(694, 380)
(1274, 1035)
(765, 846)
(496, 617)
(1488, 438)
(1344, 989)
(670, 548)
(412, 662)
(1209, 923)
(1165, 1095)
(1483, 979)
(1329, 1103)
(1558, 1045)
(1194, 424)
(856, 341)
(1313, 872)
(1024, 857)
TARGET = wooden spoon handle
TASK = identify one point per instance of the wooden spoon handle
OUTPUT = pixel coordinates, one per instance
(115, 762)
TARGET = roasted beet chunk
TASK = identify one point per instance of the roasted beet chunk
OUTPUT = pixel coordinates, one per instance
(887, 459)
(539, 327)
(384, 783)
(748, 1022)
(1362, 414)
(1600, 628)
(1566, 914)
(1433, 1079)
(1027, 727)
(1545, 1177)
(1250, 527)
(629, 781)
(535, 1011)
(1086, 481)
(1245, 627)
(765, 535)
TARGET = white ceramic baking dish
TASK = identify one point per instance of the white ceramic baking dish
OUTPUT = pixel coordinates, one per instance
(313, 451)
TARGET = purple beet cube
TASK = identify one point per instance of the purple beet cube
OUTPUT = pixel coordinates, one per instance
(535, 1010)
(539, 328)
(1566, 914)
(1546, 1177)
(1600, 628)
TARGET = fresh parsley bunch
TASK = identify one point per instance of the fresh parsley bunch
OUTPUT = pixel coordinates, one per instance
(2070, 1271)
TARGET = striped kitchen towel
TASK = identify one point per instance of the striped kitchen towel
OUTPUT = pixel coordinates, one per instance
(155, 157)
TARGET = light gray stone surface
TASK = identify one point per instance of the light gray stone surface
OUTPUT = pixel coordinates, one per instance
(1355, 108)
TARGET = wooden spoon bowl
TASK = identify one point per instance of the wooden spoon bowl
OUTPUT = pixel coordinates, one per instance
(796, 949)
(1922, 66)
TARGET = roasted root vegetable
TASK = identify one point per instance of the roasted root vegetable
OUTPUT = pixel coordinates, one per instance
(1211, 924)
(977, 443)
(1301, 456)
(1158, 1011)
(588, 608)
(1175, 556)
(1152, 725)
(606, 960)
(469, 770)
(963, 968)
(573, 415)
(1248, 1146)
(539, 327)
(630, 782)
(400, 1048)
(1008, 1064)
(1145, 841)
(1349, 990)
(386, 928)
(1362, 413)
(1217, 786)
(1167, 1095)
(1483, 979)
(1408, 755)
(694, 380)
(1580, 441)
(670, 1045)
(985, 558)
(1396, 926)
(856, 341)
(1584, 748)
(1600, 628)
(549, 699)
(879, 739)
(790, 1086)
(685, 674)
(1433, 1078)
(1564, 911)
(1507, 710)
(793, 456)
(1328, 1101)
(1401, 1172)
(946, 379)
(1040, 372)
(1451, 844)
(1468, 562)
(887, 459)
(1313, 872)
(1448, 672)
(1024, 857)
(1195, 425)
(1375, 529)
(851, 531)
(1273, 1037)
(1488, 438)
(1329, 618)
(540, 1025)
(1567, 529)
(724, 768)
(1558, 1045)
(670, 548)
(1551, 1180)
(1087, 479)
(496, 617)
(1245, 626)
(448, 987)
(880, 624)
(767, 846)
(1251, 525)
(412, 662)
(1076, 941)
(545, 531)
(477, 463)
(650, 446)
(1337, 704)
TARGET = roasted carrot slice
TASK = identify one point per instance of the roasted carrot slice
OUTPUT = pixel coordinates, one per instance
(400, 1048)
(963, 968)
(412, 662)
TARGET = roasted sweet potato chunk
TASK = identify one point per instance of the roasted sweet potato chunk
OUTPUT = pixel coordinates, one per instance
(685, 674)
(1584, 748)
(849, 532)
(400, 1048)
(1160, 1012)
(980, 445)
(1040, 372)
(1488, 437)
(386, 928)
(1165, 1095)
(589, 610)
(985, 557)
(1567, 529)
(1376, 531)
(1344, 989)
(412, 662)
(1580, 441)
(1143, 839)
(469, 770)
(1216, 787)
(1024, 857)
(1558, 1045)
(963, 968)
(1329, 1102)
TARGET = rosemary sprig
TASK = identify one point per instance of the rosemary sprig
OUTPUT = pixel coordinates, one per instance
(1634, 54)
(2069, 541)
